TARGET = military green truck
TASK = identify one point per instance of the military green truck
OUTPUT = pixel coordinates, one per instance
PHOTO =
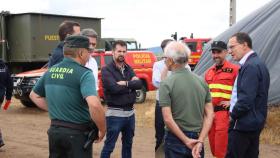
(27, 39)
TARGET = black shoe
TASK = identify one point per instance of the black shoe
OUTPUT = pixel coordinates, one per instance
(1, 144)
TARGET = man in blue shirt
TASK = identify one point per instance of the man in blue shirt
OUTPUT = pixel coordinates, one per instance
(66, 28)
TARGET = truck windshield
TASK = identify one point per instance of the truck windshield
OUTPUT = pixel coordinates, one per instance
(192, 46)
(131, 45)
(204, 44)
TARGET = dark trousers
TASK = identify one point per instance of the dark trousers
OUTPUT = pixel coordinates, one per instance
(1, 100)
(159, 125)
(175, 148)
(1, 139)
(67, 143)
(243, 144)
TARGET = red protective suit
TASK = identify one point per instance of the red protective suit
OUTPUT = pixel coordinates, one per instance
(221, 83)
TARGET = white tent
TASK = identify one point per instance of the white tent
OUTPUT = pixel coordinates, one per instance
(263, 26)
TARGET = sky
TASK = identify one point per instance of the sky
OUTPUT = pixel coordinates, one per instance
(148, 21)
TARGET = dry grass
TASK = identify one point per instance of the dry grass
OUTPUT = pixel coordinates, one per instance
(270, 134)
(145, 112)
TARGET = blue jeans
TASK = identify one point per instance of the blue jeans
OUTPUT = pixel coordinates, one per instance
(175, 148)
(115, 125)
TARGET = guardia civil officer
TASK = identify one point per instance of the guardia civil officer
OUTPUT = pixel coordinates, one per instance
(67, 92)
(6, 88)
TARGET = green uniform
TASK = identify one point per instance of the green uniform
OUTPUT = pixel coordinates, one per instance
(187, 95)
(65, 86)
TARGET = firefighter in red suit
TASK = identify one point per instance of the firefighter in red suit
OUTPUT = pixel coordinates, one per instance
(220, 78)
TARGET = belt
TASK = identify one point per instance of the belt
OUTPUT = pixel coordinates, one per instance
(220, 108)
(60, 123)
(123, 108)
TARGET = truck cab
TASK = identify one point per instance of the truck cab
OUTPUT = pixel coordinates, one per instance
(130, 42)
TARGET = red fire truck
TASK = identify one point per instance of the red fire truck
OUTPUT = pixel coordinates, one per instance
(196, 46)
(141, 61)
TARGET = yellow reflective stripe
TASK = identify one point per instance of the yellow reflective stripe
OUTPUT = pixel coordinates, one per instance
(195, 56)
(220, 95)
(220, 86)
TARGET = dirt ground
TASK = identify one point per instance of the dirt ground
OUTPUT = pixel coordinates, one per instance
(24, 131)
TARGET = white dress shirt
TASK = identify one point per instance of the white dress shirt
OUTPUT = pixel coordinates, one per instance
(92, 64)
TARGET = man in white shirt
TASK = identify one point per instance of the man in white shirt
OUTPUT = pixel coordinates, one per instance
(158, 68)
(160, 72)
(92, 64)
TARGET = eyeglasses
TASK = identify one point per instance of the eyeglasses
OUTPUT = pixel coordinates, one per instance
(233, 46)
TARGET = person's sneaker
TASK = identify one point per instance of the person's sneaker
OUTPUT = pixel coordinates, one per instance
(1, 144)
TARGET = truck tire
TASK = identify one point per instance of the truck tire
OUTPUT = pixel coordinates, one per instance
(28, 104)
(141, 95)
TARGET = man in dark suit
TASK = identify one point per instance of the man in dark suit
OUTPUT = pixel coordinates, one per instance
(248, 105)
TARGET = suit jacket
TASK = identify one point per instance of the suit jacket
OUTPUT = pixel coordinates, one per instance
(57, 55)
(6, 83)
(250, 110)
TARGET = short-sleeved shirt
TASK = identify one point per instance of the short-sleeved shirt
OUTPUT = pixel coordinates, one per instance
(157, 70)
(65, 87)
(186, 94)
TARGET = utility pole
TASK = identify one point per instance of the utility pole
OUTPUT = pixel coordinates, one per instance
(232, 12)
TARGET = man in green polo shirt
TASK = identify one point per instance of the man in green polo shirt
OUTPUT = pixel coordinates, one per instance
(186, 106)
(67, 93)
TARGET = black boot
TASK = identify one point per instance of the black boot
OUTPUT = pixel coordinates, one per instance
(1, 140)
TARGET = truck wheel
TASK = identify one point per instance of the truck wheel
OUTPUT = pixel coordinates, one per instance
(141, 95)
(28, 104)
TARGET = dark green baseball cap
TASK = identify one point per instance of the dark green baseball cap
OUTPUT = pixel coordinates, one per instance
(77, 41)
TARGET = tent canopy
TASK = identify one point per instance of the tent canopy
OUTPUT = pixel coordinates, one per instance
(263, 26)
